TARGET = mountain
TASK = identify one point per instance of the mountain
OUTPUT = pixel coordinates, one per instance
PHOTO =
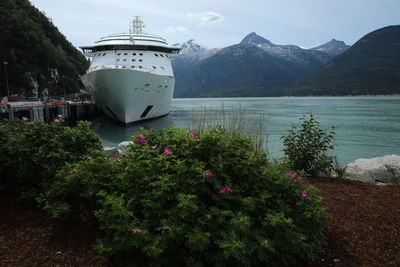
(254, 67)
(38, 55)
(192, 49)
(371, 66)
(255, 39)
(332, 48)
(191, 53)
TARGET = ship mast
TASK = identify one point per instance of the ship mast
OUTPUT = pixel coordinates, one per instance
(136, 27)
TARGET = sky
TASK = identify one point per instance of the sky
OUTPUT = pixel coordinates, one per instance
(220, 23)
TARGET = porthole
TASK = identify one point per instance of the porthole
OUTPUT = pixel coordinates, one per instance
(140, 54)
(156, 55)
(154, 67)
(133, 67)
(125, 54)
(104, 54)
(140, 60)
(118, 59)
(166, 86)
(133, 60)
(162, 67)
(146, 84)
(124, 59)
(118, 54)
(161, 55)
(140, 67)
(133, 54)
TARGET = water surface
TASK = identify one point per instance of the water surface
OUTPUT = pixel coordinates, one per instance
(365, 126)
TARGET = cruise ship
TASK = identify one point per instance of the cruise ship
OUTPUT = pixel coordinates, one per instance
(130, 74)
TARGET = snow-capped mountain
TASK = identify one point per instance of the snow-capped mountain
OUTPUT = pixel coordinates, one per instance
(195, 50)
(253, 38)
(253, 67)
(290, 52)
(332, 48)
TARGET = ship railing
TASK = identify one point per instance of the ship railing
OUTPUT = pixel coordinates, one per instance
(129, 67)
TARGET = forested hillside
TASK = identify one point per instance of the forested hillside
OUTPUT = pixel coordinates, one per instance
(38, 55)
(370, 67)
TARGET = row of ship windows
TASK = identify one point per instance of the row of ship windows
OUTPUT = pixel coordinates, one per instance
(140, 67)
(133, 60)
(133, 54)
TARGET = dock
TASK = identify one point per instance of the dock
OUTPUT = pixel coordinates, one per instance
(47, 111)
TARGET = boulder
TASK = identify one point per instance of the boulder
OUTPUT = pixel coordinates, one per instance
(375, 170)
(123, 146)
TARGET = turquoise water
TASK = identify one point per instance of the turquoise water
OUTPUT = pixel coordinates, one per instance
(366, 126)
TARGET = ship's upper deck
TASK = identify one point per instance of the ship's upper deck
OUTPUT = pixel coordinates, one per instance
(126, 41)
(136, 39)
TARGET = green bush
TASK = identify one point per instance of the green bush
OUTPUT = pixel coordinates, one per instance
(186, 198)
(32, 152)
(307, 147)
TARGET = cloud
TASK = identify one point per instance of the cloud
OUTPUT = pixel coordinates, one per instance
(205, 18)
(175, 29)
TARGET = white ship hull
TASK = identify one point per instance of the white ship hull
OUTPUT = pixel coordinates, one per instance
(131, 75)
(128, 95)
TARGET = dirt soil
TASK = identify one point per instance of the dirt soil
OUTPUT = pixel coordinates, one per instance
(364, 223)
(364, 230)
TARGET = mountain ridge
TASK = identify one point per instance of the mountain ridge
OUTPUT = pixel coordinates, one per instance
(371, 66)
(253, 67)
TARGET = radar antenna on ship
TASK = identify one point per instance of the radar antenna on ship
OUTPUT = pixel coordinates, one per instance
(136, 27)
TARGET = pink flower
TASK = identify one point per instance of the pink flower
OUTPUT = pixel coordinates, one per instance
(193, 133)
(336, 260)
(282, 162)
(224, 189)
(167, 151)
(56, 120)
(117, 158)
(198, 139)
(294, 175)
(300, 179)
(126, 155)
(59, 116)
(71, 172)
(154, 146)
(262, 170)
(304, 193)
(136, 230)
(207, 174)
(24, 118)
(141, 139)
(151, 130)
(89, 157)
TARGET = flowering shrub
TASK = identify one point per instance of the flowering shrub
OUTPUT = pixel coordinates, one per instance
(307, 146)
(180, 201)
(32, 152)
